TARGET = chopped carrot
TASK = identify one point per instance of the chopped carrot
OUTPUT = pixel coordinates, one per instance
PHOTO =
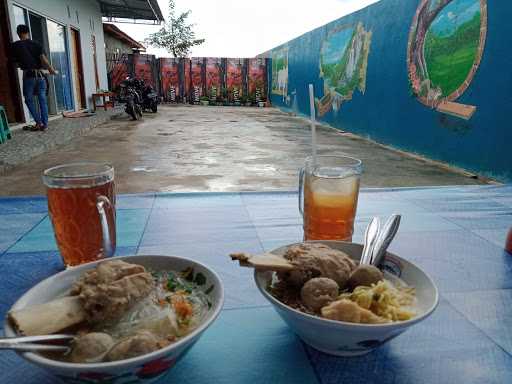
(182, 307)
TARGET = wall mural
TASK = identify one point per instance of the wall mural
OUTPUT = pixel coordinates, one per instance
(446, 43)
(343, 64)
(280, 73)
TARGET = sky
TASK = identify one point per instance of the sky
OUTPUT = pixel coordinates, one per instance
(245, 28)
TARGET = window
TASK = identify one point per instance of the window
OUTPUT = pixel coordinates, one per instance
(20, 16)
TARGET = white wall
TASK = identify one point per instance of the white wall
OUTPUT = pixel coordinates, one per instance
(89, 23)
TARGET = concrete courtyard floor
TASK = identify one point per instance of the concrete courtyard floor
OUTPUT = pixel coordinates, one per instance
(193, 148)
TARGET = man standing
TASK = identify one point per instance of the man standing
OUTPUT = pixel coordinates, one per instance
(30, 57)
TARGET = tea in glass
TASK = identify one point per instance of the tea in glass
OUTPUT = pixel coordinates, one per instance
(331, 190)
(81, 204)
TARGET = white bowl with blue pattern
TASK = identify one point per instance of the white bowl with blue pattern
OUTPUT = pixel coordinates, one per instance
(349, 339)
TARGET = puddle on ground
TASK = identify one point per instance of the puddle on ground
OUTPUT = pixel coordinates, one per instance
(142, 169)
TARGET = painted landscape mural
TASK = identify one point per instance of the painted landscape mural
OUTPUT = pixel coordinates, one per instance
(343, 63)
(445, 47)
(280, 73)
(431, 77)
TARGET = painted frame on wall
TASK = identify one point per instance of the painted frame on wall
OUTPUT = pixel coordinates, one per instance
(445, 48)
(343, 65)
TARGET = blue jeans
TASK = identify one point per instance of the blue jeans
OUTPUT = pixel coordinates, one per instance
(37, 86)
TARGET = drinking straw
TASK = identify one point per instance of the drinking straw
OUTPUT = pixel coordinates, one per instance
(313, 125)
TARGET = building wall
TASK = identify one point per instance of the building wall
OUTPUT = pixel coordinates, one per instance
(112, 44)
(365, 81)
(85, 16)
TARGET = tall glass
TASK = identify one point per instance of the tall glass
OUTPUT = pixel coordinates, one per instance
(328, 193)
(81, 203)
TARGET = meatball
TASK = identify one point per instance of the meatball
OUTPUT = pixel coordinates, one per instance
(319, 292)
(90, 348)
(139, 344)
(317, 260)
(365, 275)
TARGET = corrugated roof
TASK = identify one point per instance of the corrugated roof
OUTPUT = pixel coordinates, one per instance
(113, 30)
(114, 10)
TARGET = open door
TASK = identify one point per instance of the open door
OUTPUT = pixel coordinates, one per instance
(76, 57)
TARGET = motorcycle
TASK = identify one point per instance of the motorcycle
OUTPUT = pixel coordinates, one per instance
(132, 97)
(149, 98)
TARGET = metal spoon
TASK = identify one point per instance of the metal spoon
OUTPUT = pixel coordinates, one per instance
(386, 235)
(32, 343)
(370, 236)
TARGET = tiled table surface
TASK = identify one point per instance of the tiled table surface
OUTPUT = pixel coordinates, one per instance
(456, 234)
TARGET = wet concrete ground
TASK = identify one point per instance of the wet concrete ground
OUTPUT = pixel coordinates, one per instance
(186, 148)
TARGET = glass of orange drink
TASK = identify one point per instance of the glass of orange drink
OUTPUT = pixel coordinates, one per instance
(328, 193)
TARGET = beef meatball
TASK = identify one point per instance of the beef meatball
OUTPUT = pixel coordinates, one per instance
(365, 275)
(139, 344)
(91, 347)
(319, 292)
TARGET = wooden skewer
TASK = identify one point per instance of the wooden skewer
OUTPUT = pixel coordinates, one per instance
(264, 262)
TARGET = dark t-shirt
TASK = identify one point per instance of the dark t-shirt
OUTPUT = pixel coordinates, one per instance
(27, 54)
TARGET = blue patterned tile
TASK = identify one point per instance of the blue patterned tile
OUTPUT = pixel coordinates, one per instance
(490, 311)
(130, 225)
(40, 238)
(187, 201)
(456, 260)
(237, 344)
(24, 270)
(497, 236)
(444, 349)
(14, 226)
(144, 201)
(492, 219)
(37, 204)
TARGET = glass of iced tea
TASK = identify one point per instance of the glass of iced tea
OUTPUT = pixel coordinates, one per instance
(81, 203)
(328, 192)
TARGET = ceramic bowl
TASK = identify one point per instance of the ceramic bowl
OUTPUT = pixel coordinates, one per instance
(146, 368)
(349, 339)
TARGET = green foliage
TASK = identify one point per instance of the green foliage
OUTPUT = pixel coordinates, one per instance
(176, 35)
(450, 58)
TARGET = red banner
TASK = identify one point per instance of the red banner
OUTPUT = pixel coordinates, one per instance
(256, 79)
(234, 81)
(196, 73)
(169, 75)
(143, 68)
(213, 77)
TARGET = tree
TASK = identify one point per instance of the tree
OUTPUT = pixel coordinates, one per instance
(176, 35)
(426, 16)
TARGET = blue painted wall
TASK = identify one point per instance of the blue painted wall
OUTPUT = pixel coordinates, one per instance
(389, 114)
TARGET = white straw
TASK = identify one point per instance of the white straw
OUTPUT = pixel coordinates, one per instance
(313, 125)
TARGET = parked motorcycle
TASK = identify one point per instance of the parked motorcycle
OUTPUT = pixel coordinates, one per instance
(132, 96)
(149, 98)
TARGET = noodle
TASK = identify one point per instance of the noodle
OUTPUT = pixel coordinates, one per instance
(384, 299)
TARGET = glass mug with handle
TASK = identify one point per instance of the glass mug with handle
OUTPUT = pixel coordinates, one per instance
(81, 204)
(328, 193)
